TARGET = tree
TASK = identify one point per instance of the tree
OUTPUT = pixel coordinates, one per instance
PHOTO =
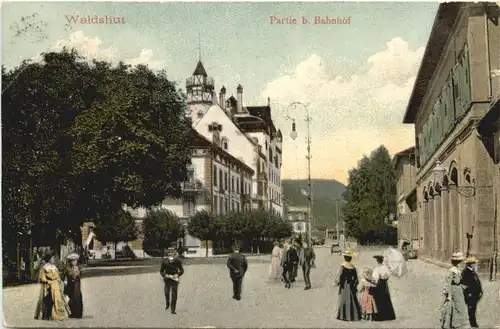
(205, 226)
(161, 228)
(370, 196)
(279, 228)
(120, 227)
(80, 139)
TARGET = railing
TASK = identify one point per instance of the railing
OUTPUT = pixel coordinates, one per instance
(193, 81)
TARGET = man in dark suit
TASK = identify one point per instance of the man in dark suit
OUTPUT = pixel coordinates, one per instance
(307, 264)
(290, 260)
(238, 265)
(171, 270)
(473, 290)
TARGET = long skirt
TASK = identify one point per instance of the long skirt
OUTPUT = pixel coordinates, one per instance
(348, 307)
(382, 297)
(275, 268)
(73, 291)
(368, 302)
(454, 312)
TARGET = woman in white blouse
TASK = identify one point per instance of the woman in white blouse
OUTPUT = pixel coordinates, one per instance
(381, 294)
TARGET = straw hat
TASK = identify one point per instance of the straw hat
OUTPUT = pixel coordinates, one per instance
(457, 256)
(470, 260)
(72, 256)
(349, 253)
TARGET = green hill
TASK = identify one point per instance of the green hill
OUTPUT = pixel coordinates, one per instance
(324, 192)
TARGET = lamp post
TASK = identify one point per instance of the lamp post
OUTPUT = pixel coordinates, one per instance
(294, 135)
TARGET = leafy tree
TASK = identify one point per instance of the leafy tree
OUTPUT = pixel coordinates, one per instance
(370, 196)
(120, 227)
(205, 226)
(161, 228)
(279, 228)
(80, 139)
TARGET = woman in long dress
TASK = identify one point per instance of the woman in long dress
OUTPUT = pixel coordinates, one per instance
(51, 304)
(275, 266)
(348, 307)
(73, 287)
(454, 310)
(381, 294)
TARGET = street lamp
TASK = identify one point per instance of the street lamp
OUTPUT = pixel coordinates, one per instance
(294, 135)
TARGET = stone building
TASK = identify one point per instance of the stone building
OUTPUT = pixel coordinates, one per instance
(298, 217)
(453, 91)
(404, 163)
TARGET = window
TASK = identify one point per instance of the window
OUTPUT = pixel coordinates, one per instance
(190, 174)
(266, 145)
(220, 179)
(456, 91)
(216, 203)
(200, 115)
(215, 176)
(238, 185)
(298, 227)
(232, 184)
(225, 181)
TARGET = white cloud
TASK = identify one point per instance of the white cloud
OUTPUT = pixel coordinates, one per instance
(92, 48)
(352, 114)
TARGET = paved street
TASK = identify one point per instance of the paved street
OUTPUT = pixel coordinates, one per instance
(205, 300)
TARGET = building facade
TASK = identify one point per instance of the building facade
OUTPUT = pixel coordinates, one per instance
(404, 163)
(298, 217)
(452, 92)
(236, 162)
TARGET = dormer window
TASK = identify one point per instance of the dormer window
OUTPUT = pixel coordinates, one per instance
(200, 114)
(215, 127)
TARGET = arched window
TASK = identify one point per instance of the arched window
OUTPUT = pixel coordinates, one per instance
(298, 227)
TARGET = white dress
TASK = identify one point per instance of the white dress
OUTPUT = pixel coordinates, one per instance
(275, 266)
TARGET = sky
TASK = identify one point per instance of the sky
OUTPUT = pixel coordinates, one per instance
(356, 78)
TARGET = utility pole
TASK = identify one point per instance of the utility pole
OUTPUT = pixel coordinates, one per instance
(337, 219)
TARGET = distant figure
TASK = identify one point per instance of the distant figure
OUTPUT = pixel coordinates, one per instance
(73, 286)
(342, 244)
(275, 266)
(171, 270)
(454, 309)
(348, 308)
(238, 266)
(290, 260)
(22, 268)
(381, 294)
(473, 291)
(307, 263)
(297, 249)
(51, 304)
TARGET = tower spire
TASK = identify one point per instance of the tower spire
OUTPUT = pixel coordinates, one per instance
(199, 46)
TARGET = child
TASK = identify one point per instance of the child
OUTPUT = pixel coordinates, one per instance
(367, 301)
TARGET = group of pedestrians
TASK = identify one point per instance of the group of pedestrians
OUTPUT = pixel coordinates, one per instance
(287, 260)
(60, 294)
(462, 292)
(376, 302)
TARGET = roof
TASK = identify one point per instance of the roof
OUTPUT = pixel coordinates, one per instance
(402, 154)
(198, 140)
(442, 28)
(200, 70)
(263, 112)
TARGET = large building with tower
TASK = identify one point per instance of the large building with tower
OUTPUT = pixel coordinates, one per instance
(236, 162)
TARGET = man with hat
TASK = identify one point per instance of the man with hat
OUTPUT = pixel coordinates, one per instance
(473, 290)
(171, 270)
(238, 265)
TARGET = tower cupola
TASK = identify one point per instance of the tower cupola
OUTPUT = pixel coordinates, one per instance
(199, 87)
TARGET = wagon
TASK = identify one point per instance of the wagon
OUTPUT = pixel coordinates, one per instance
(335, 248)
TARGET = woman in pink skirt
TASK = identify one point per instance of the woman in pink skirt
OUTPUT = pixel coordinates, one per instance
(367, 301)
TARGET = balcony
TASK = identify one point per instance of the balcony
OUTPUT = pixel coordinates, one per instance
(192, 186)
